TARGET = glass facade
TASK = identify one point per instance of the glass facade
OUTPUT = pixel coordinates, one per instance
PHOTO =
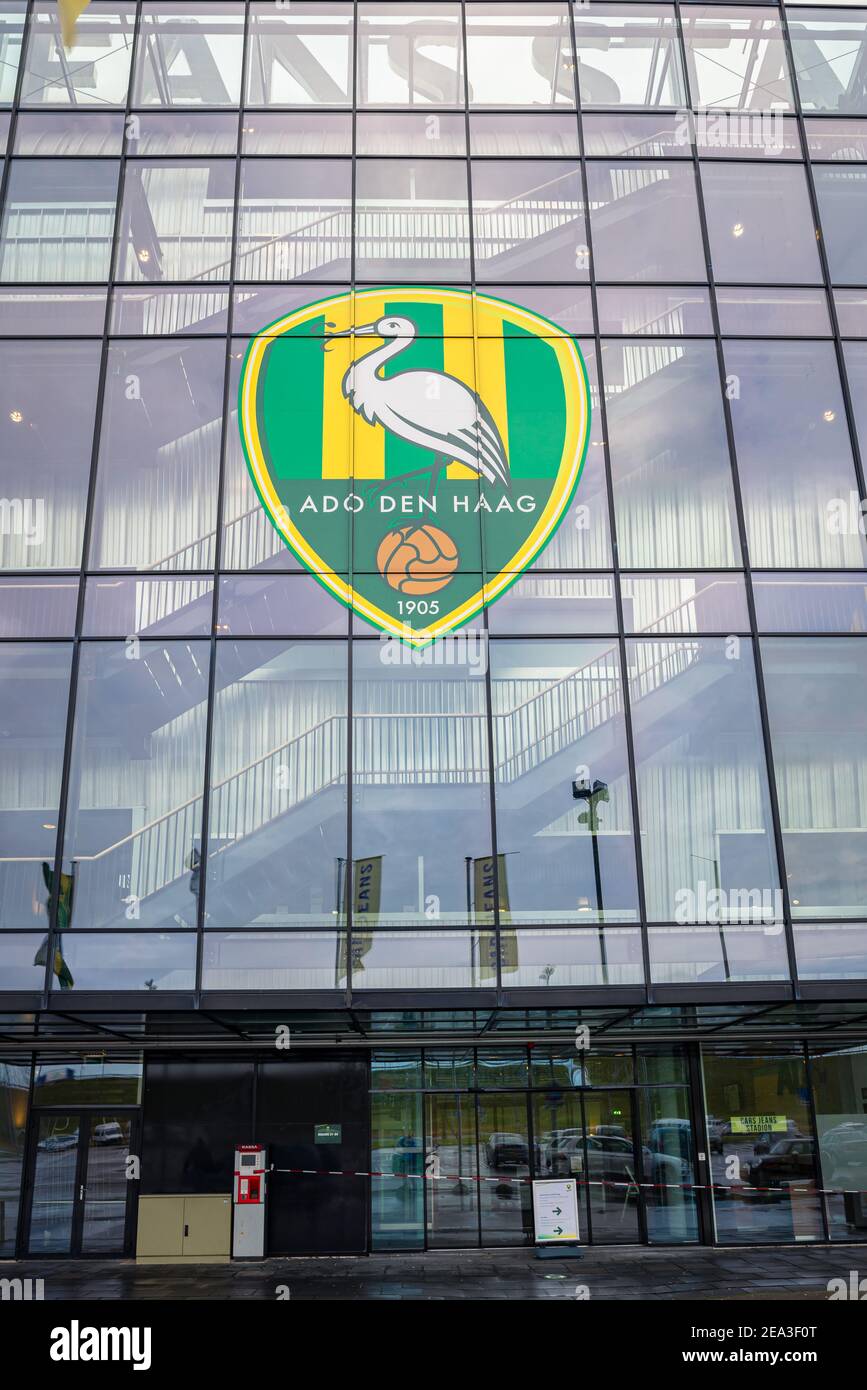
(664, 181)
(643, 771)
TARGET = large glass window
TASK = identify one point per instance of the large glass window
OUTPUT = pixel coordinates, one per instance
(736, 57)
(58, 220)
(411, 220)
(12, 13)
(421, 815)
(95, 72)
(564, 833)
(528, 221)
(48, 397)
(839, 1077)
(176, 221)
(159, 457)
(142, 962)
(277, 833)
(842, 198)
(707, 842)
(34, 695)
(410, 55)
(828, 48)
(294, 220)
(819, 738)
(670, 464)
(133, 831)
(644, 220)
(299, 54)
(762, 1148)
(628, 55)
(760, 224)
(189, 55)
(73, 1081)
(787, 411)
(520, 54)
(855, 355)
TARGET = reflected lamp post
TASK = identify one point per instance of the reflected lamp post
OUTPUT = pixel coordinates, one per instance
(593, 794)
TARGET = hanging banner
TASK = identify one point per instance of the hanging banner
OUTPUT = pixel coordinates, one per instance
(484, 892)
(366, 896)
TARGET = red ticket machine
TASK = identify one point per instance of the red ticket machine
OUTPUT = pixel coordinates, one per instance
(251, 1178)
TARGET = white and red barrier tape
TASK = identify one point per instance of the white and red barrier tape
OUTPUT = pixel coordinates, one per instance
(580, 1182)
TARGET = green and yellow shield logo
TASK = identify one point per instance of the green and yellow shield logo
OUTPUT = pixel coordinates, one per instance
(415, 448)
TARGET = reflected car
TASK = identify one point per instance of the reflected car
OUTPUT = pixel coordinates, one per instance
(849, 1133)
(611, 1158)
(54, 1142)
(722, 1133)
(551, 1142)
(715, 1131)
(503, 1150)
(789, 1160)
(844, 1148)
(109, 1133)
(763, 1143)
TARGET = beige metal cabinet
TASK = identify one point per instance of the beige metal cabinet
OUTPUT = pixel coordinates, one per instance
(174, 1229)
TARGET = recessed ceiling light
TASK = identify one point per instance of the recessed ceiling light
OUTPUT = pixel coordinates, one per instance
(738, 229)
(16, 417)
(829, 415)
(144, 255)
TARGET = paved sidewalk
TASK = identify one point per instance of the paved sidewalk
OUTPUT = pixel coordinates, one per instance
(610, 1273)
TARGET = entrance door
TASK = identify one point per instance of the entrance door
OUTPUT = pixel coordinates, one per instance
(79, 1202)
(612, 1166)
(504, 1154)
(452, 1170)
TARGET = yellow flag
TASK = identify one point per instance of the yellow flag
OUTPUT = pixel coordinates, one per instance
(69, 11)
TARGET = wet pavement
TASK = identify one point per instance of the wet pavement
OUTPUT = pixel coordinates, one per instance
(606, 1273)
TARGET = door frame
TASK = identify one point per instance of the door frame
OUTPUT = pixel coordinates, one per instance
(86, 1115)
(631, 1094)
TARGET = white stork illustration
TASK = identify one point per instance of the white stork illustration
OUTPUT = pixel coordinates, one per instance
(452, 420)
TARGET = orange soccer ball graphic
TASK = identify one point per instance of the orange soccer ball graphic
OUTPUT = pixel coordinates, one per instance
(417, 559)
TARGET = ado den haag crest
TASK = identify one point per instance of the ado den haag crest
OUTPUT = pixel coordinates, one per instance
(415, 448)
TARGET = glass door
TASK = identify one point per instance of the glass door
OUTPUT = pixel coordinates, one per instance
(79, 1187)
(55, 1183)
(106, 1186)
(612, 1167)
(668, 1161)
(451, 1170)
(558, 1130)
(504, 1152)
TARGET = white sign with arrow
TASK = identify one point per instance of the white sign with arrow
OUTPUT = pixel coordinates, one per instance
(555, 1210)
